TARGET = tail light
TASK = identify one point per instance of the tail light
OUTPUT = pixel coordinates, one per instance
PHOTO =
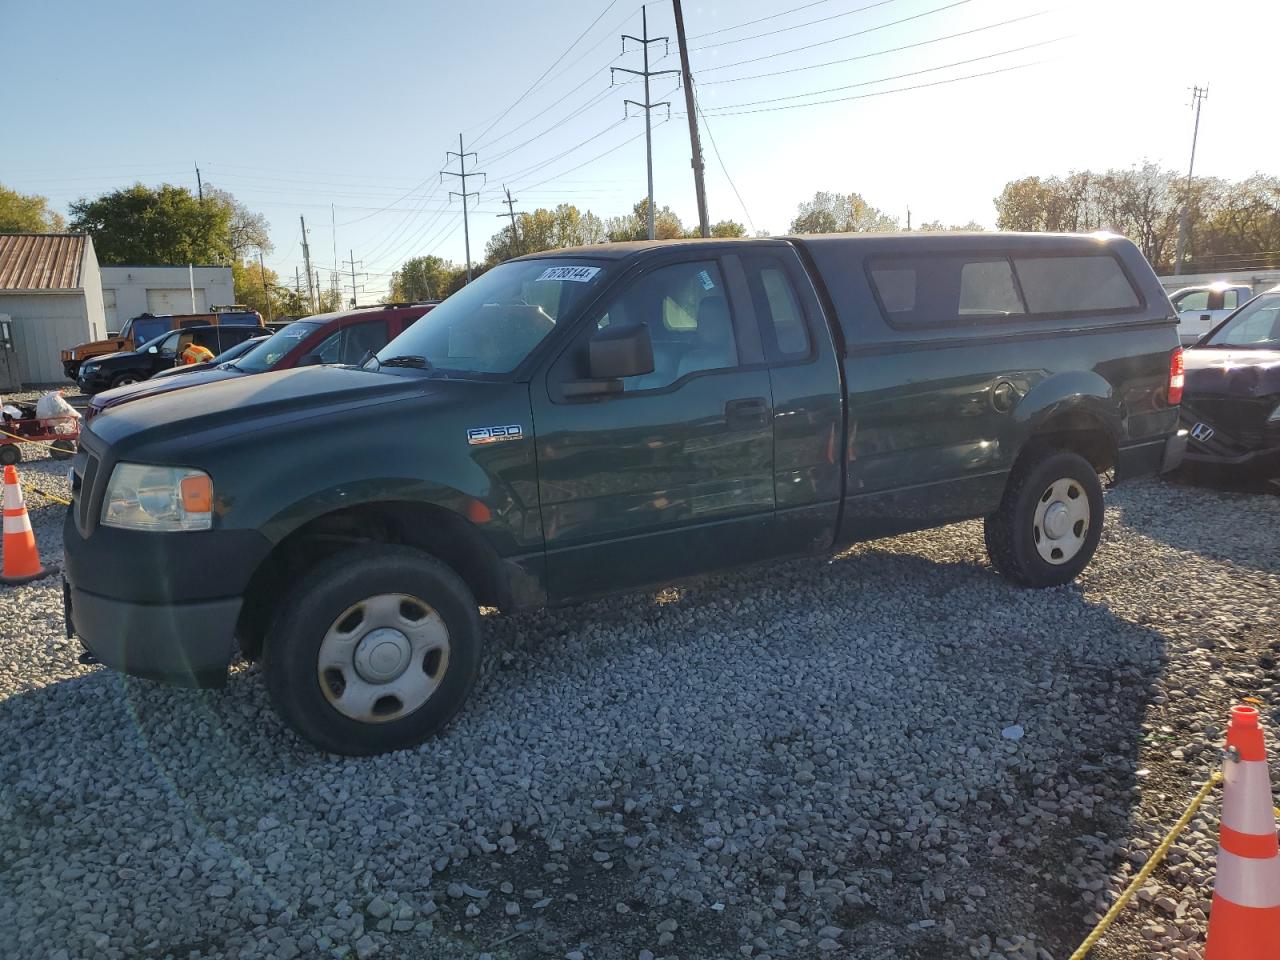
(1177, 378)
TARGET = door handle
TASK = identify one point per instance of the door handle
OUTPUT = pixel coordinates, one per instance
(747, 412)
(1206, 317)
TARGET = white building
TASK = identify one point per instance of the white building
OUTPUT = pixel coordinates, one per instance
(129, 291)
(50, 288)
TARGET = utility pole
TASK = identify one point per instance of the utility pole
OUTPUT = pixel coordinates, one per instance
(647, 106)
(1198, 96)
(511, 211)
(353, 264)
(297, 281)
(266, 293)
(306, 258)
(199, 183)
(908, 219)
(695, 142)
(462, 166)
(333, 221)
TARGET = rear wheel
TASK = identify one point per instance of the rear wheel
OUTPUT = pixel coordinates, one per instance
(62, 449)
(1049, 521)
(124, 379)
(375, 650)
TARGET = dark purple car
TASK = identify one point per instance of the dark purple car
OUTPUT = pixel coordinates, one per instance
(1231, 404)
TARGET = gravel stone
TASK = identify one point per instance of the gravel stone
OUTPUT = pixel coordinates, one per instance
(783, 758)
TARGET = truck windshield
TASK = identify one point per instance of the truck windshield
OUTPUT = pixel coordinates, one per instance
(268, 353)
(494, 323)
(1256, 324)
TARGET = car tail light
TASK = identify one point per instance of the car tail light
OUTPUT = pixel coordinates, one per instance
(1176, 378)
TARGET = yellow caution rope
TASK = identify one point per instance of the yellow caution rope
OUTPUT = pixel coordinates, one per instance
(1147, 868)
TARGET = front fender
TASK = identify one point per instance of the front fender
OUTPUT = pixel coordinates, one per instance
(368, 491)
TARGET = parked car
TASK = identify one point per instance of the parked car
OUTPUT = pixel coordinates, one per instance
(225, 357)
(146, 327)
(601, 419)
(343, 337)
(1202, 308)
(162, 353)
(1231, 406)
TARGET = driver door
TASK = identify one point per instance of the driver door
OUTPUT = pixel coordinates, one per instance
(673, 474)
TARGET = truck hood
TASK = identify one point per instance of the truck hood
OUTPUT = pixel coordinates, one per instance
(1232, 373)
(149, 388)
(229, 405)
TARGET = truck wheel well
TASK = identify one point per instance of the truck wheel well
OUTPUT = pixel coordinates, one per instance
(1079, 432)
(435, 530)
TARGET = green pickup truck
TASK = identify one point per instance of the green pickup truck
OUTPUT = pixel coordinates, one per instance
(604, 419)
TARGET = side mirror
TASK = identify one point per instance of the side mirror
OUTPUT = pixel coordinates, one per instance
(311, 360)
(613, 354)
(153, 349)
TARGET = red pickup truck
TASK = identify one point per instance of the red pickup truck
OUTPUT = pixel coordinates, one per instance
(343, 337)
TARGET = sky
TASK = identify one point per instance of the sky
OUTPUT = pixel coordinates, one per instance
(343, 113)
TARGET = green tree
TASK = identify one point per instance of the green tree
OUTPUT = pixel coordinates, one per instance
(725, 229)
(164, 225)
(840, 213)
(27, 213)
(635, 225)
(423, 278)
(543, 229)
(247, 231)
(936, 226)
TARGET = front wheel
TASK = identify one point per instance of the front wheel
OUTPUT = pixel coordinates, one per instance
(374, 650)
(124, 379)
(1049, 521)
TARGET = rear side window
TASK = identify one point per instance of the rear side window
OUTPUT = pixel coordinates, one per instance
(1074, 284)
(1230, 299)
(952, 290)
(777, 306)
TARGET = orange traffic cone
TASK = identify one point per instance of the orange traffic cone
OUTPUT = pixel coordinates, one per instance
(1244, 921)
(21, 558)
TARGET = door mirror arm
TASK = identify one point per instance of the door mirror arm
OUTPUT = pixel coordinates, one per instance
(576, 389)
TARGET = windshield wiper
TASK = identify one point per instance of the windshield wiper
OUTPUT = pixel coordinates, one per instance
(422, 363)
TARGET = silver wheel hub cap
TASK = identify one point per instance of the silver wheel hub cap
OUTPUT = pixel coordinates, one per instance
(383, 658)
(1061, 522)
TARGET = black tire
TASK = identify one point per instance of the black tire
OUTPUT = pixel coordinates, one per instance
(1011, 532)
(10, 454)
(62, 449)
(124, 379)
(315, 605)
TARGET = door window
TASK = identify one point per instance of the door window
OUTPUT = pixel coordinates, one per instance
(687, 311)
(170, 345)
(778, 307)
(360, 338)
(329, 349)
(1196, 300)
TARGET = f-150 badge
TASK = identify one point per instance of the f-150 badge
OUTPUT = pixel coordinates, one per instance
(477, 435)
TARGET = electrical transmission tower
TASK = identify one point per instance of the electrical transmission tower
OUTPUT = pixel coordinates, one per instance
(647, 106)
(1198, 96)
(353, 263)
(462, 174)
(306, 256)
(511, 212)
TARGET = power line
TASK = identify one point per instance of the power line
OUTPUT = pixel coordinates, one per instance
(728, 112)
(599, 156)
(873, 53)
(899, 76)
(796, 26)
(715, 149)
(748, 23)
(564, 153)
(535, 83)
(829, 40)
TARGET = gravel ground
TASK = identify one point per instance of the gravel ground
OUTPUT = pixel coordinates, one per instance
(891, 754)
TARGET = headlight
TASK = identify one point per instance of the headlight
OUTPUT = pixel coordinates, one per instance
(142, 497)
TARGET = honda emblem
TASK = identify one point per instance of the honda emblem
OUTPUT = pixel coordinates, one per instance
(1202, 432)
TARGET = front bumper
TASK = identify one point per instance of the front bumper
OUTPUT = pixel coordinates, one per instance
(190, 644)
(91, 383)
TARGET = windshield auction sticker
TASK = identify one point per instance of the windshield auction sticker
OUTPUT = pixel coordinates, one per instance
(573, 274)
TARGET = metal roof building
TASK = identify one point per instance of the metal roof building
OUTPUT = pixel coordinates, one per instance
(51, 290)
